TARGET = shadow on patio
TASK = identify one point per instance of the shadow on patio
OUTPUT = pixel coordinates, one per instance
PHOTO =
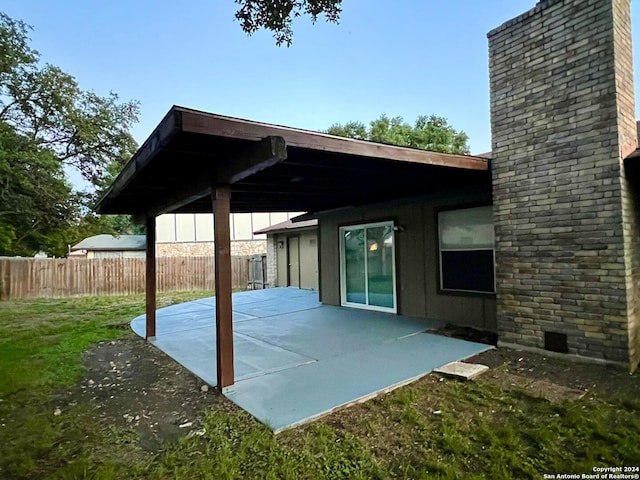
(296, 359)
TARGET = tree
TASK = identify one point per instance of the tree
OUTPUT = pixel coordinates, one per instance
(46, 105)
(35, 198)
(427, 133)
(48, 124)
(277, 15)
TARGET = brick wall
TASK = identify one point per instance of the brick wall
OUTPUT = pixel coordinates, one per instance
(198, 249)
(272, 264)
(628, 141)
(562, 117)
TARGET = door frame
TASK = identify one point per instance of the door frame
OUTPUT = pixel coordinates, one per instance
(343, 270)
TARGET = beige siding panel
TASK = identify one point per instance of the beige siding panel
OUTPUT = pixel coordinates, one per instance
(242, 226)
(309, 260)
(204, 227)
(260, 221)
(294, 261)
(185, 227)
(279, 217)
(166, 228)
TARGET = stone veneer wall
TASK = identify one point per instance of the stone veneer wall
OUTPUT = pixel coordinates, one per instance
(272, 263)
(196, 249)
(562, 118)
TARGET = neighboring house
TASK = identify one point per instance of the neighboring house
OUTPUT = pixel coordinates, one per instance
(109, 246)
(540, 244)
(188, 234)
(292, 254)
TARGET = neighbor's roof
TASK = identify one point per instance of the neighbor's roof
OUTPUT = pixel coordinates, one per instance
(288, 226)
(109, 242)
(272, 168)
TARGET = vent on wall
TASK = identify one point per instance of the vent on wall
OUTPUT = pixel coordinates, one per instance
(556, 342)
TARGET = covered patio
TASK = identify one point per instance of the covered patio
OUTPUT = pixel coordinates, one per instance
(198, 162)
(296, 359)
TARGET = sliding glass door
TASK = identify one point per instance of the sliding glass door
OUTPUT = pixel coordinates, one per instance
(367, 266)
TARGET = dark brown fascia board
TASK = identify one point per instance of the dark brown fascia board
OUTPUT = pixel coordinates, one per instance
(194, 121)
(161, 135)
(288, 230)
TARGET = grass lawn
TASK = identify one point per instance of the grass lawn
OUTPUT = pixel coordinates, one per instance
(435, 428)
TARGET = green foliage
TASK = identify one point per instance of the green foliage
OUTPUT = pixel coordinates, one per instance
(277, 15)
(47, 106)
(427, 133)
(47, 124)
(41, 345)
(36, 200)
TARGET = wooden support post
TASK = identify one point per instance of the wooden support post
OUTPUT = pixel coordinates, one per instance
(150, 288)
(221, 198)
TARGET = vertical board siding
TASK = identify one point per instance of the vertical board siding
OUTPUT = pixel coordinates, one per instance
(55, 278)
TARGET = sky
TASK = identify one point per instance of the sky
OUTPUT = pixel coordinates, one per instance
(396, 57)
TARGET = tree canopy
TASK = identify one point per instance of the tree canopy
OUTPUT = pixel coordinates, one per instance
(48, 124)
(277, 15)
(427, 133)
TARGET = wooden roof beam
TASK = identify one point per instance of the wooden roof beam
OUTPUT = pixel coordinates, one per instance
(264, 154)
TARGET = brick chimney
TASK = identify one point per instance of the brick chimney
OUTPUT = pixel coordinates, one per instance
(563, 120)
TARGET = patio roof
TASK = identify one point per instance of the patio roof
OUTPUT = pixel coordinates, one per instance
(274, 168)
(289, 225)
(197, 162)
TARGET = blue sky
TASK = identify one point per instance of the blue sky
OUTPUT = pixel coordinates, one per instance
(399, 57)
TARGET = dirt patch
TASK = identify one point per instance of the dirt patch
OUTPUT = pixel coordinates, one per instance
(133, 385)
(555, 378)
(466, 333)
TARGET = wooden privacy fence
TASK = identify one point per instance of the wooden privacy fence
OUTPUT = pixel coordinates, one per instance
(51, 278)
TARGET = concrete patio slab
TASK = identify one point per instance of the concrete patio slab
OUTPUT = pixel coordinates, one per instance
(296, 359)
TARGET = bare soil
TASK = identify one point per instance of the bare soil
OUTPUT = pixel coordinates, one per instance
(556, 378)
(133, 385)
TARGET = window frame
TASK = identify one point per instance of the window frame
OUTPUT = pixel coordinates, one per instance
(458, 291)
(342, 255)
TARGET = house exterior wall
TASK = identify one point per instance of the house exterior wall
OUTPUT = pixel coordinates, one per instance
(198, 227)
(272, 261)
(198, 249)
(562, 115)
(282, 261)
(278, 258)
(309, 260)
(417, 264)
(191, 234)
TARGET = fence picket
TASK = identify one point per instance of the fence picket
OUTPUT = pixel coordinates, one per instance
(55, 278)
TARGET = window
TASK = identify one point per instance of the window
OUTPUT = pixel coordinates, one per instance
(467, 240)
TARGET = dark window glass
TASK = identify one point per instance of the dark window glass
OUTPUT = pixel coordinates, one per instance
(470, 270)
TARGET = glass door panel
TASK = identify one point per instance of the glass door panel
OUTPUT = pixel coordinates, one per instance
(355, 269)
(368, 266)
(380, 266)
